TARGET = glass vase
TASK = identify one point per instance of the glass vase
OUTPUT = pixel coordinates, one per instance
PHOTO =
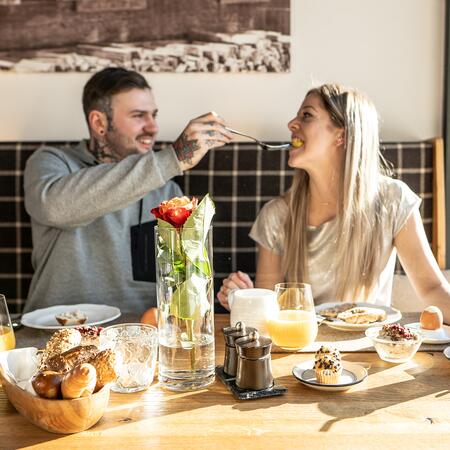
(184, 280)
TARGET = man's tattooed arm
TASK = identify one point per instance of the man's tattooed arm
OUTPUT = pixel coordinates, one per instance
(185, 148)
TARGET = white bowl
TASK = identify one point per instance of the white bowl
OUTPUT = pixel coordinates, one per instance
(394, 351)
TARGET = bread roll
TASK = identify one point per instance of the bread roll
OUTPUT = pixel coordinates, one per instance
(79, 382)
(47, 384)
(69, 359)
(431, 318)
(60, 341)
(104, 363)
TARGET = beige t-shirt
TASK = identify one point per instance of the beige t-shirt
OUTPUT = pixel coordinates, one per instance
(268, 231)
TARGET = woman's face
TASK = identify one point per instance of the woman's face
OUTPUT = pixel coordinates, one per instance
(322, 139)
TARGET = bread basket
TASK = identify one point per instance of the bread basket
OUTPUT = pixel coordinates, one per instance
(56, 416)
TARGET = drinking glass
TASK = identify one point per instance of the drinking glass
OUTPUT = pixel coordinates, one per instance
(295, 326)
(7, 338)
(135, 346)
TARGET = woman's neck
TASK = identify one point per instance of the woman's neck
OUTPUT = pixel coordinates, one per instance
(323, 197)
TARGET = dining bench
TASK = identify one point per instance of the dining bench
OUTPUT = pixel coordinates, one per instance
(240, 177)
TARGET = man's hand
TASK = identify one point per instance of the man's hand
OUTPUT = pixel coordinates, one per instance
(200, 135)
(236, 280)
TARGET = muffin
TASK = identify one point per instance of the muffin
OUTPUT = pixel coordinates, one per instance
(328, 370)
(329, 351)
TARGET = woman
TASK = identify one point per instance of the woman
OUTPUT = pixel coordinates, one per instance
(342, 221)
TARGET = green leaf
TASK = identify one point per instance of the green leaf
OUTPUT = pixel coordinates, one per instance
(190, 300)
(201, 217)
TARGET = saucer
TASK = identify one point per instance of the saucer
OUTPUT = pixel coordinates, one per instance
(441, 336)
(447, 352)
(351, 374)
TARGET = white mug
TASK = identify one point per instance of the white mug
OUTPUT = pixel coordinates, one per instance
(253, 307)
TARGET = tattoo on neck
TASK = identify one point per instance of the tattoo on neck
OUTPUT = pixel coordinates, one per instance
(185, 149)
(101, 151)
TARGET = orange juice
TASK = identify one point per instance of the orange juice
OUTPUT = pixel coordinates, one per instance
(293, 329)
(7, 339)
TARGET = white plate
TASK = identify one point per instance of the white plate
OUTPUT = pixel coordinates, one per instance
(393, 315)
(44, 319)
(447, 352)
(441, 336)
(351, 374)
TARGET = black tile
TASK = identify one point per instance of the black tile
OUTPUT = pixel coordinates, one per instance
(246, 211)
(7, 237)
(7, 160)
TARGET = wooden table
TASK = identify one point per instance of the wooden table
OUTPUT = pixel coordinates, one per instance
(405, 405)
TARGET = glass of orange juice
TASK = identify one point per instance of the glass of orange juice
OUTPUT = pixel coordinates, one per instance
(7, 338)
(295, 327)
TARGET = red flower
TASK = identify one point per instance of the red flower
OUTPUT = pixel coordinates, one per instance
(175, 211)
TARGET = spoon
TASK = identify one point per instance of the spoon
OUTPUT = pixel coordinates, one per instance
(262, 144)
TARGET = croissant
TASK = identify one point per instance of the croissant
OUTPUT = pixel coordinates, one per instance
(79, 382)
(47, 384)
(104, 362)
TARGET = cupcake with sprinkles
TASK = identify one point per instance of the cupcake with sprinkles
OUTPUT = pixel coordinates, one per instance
(329, 351)
(328, 369)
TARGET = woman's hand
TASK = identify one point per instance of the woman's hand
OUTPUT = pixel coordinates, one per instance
(236, 280)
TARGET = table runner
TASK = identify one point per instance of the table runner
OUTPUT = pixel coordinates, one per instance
(345, 341)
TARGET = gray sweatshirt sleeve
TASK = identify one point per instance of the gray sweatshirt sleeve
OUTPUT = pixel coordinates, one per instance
(60, 195)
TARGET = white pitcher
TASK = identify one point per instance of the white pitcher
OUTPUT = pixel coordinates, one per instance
(253, 307)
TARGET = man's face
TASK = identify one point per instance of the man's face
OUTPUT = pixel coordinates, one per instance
(133, 127)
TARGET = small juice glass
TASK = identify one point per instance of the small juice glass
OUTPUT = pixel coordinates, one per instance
(7, 338)
(295, 327)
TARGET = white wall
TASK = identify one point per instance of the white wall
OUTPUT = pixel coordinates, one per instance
(391, 49)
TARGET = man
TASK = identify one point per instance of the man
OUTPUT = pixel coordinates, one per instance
(88, 203)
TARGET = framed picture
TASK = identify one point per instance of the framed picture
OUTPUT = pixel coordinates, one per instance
(213, 36)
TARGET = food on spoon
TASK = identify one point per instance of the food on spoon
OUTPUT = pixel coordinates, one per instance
(362, 315)
(431, 318)
(47, 384)
(71, 318)
(328, 369)
(297, 143)
(79, 382)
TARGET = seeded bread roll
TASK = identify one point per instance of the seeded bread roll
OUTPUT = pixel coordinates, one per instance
(59, 342)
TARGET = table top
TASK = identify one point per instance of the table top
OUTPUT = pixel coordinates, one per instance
(406, 404)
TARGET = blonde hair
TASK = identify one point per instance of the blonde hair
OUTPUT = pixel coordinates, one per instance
(358, 236)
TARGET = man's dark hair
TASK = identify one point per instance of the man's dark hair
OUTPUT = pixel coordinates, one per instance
(99, 90)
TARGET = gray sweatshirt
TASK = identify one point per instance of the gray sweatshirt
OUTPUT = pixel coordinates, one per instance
(81, 213)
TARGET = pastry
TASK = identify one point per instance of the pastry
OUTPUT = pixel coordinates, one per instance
(47, 384)
(71, 318)
(90, 335)
(362, 315)
(329, 351)
(431, 318)
(331, 313)
(71, 358)
(328, 370)
(59, 342)
(104, 363)
(79, 382)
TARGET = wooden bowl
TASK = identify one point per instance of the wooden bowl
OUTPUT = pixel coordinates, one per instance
(57, 416)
